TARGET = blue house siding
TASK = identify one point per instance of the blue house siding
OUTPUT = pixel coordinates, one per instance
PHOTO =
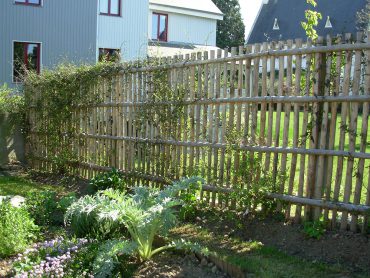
(57, 25)
(128, 32)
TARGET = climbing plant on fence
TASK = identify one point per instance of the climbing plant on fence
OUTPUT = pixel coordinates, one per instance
(53, 98)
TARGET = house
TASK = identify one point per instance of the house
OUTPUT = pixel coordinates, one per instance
(43, 33)
(281, 19)
(182, 26)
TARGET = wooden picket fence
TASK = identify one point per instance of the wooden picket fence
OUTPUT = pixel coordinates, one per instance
(301, 109)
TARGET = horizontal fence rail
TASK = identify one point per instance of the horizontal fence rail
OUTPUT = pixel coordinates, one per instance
(240, 100)
(289, 115)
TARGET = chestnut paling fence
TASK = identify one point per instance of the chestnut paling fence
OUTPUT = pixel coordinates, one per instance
(299, 110)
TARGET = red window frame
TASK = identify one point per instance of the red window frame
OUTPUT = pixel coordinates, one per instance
(27, 3)
(109, 9)
(25, 59)
(158, 26)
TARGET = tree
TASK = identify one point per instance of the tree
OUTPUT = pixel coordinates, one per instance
(231, 30)
(363, 18)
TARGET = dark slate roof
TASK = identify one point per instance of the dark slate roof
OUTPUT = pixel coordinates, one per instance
(290, 14)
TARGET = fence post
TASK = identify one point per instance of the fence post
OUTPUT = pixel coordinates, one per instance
(318, 90)
(322, 122)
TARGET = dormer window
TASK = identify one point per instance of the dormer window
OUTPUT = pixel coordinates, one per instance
(328, 23)
(276, 25)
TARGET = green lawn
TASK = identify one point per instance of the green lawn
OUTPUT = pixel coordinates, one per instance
(301, 116)
(21, 186)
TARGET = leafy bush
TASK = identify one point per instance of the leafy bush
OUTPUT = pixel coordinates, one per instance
(190, 202)
(45, 208)
(10, 102)
(17, 229)
(41, 206)
(146, 213)
(82, 217)
(66, 201)
(314, 229)
(252, 185)
(112, 179)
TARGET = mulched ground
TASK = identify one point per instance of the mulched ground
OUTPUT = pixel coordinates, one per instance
(335, 247)
(350, 250)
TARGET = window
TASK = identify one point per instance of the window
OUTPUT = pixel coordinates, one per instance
(110, 7)
(29, 2)
(26, 57)
(160, 27)
(108, 54)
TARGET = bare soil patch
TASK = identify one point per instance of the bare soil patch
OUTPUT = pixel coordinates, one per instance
(335, 247)
(169, 265)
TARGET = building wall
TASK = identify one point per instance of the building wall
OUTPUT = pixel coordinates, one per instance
(57, 25)
(127, 32)
(189, 29)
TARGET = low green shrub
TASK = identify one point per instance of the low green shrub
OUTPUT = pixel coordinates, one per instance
(112, 179)
(41, 206)
(190, 201)
(314, 229)
(146, 214)
(17, 229)
(46, 209)
(82, 217)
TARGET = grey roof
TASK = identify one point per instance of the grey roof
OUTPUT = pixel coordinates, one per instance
(290, 14)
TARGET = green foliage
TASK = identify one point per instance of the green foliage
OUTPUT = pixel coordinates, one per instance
(82, 217)
(314, 229)
(112, 179)
(83, 261)
(146, 214)
(157, 110)
(312, 20)
(41, 206)
(66, 201)
(251, 182)
(363, 18)
(190, 201)
(62, 90)
(17, 229)
(10, 101)
(230, 30)
(45, 207)
(107, 258)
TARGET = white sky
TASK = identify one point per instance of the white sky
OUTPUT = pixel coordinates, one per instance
(249, 10)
